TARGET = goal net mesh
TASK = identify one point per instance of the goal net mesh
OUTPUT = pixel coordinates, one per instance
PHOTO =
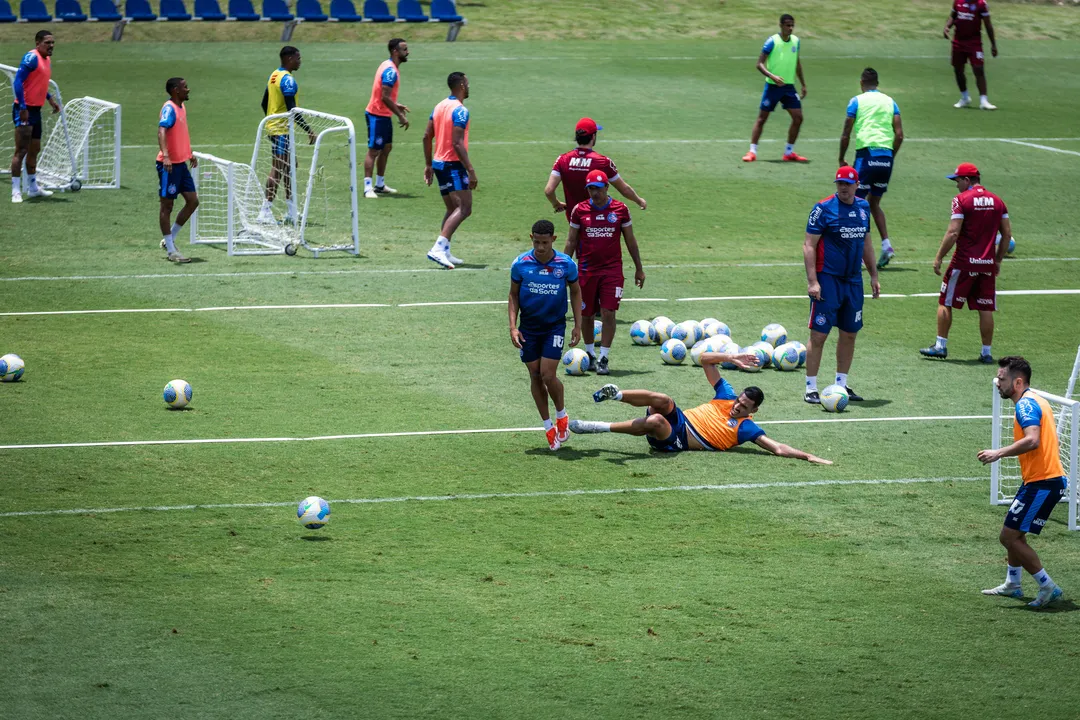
(87, 139)
(230, 199)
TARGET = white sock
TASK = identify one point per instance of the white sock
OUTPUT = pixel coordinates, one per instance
(175, 230)
(367, 184)
(811, 383)
(604, 351)
(379, 181)
(1014, 575)
(1042, 578)
(618, 396)
(942, 343)
(965, 96)
(604, 427)
(443, 243)
(16, 184)
(984, 99)
(590, 348)
(885, 244)
(548, 424)
(753, 148)
(841, 379)
(266, 205)
(170, 246)
(789, 148)
(31, 181)
(986, 350)
(560, 414)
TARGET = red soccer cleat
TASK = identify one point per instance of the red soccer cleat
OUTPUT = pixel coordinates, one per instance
(562, 429)
(749, 157)
(553, 440)
(794, 157)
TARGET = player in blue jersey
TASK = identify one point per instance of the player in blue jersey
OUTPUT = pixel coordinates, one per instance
(539, 280)
(833, 251)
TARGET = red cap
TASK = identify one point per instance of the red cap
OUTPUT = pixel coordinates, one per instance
(587, 125)
(964, 170)
(596, 178)
(847, 174)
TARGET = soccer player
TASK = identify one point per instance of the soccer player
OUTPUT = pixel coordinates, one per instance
(967, 16)
(1035, 445)
(595, 227)
(720, 424)
(280, 97)
(779, 63)
(448, 126)
(875, 117)
(539, 280)
(571, 168)
(31, 87)
(835, 245)
(383, 106)
(978, 215)
(173, 157)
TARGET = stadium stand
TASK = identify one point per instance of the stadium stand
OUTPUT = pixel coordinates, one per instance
(69, 11)
(138, 11)
(378, 11)
(310, 11)
(410, 11)
(34, 11)
(104, 11)
(6, 16)
(243, 11)
(344, 11)
(208, 10)
(173, 10)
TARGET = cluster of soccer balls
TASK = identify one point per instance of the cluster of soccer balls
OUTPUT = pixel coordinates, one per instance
(691, 338)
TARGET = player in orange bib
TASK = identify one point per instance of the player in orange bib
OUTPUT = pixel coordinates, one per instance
(381, 109)
(449, 163)
(31, 90)
(173, 159)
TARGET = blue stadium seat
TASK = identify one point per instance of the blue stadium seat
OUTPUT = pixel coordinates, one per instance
(410, 11)
(208, 10)
(139, 11)
(173, 10)
(310, 11)
(34, 11)
(277, 10)
(69, 11)
(243, 11)
(344, 11)
(105, 11)
(377, 11)
(445, 11)
(6, 16)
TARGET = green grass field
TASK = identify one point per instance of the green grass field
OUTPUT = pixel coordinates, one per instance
(479, 574)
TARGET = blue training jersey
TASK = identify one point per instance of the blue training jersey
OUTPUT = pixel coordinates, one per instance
(542, 296)
(843, 230)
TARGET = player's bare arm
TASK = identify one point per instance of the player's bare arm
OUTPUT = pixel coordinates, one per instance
(809, 251)
(458, 141)
(845, 138)
(429, 134)
(947, 243)
(163, 146)
(762, 59)
(549, 192)
(1005, 228)
(512, 308)
(949, 24)
(56, 106)
(575, 305)
(628, 192)
(990, 34)
(898, 135)
(710, 360)
(1029, 442)
(398, 110)
(802, 80)
(871, 265)
(635, 255)
(571, 241)
(781, 450)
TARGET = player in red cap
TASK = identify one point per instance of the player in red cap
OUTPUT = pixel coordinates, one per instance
(977, 217)
(595, 229)
(967, 17)
(571, 168)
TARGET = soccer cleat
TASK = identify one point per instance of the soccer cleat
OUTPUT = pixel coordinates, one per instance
(35, 191)
(562, 428)
(588, 427)
(885, 257)
(553, 439)
(177, 258)
(453, 259)
(441, 259)
(592, 361)
(371, 194)
(266, 217)
(1005, 590)
(608, 392)
(163, 245)
(985, 105)
(852, 395)
(385, 190)
(963, 103)
(986, 359)
(1050, 593)
(794, 157)
(16, 196)
(812, 397)
(749, 157)
(602, 366)
(935, 352)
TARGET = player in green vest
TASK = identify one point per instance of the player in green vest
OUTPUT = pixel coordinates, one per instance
(779, 63)
(875, 118)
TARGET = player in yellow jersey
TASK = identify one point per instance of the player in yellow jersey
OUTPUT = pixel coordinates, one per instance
(280, 97)
(720, 424)
(1035, 445)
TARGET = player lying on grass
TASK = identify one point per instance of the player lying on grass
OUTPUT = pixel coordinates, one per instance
(720, 424)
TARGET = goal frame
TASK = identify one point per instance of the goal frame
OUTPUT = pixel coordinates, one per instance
(78, 149)
(54, 90)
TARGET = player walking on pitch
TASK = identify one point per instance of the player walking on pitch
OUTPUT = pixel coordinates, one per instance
(875, 118)
(539, 280)
(779, 63)
(173, 157)
(571, 168)
(967, 16)
(978, 216)
(595, 227)
(31, 87)
(380, 109)
(835, 246)
(448, 126)
(280, 97)
(1035, 445)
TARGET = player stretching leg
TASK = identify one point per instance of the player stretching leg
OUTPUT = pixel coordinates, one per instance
(280, 97)
(720, 424)
(172, 165)
(968, 16)
(539, 280)
(31, 87)
(978, 216)
(779, 63)
(1035, 445)
(835, 244)
(571, 168)
(380, 109)
(595, 227)
(449, 127)
(875, 117)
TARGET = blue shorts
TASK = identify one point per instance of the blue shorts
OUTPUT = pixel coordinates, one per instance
(783, 94)
(1033, 504)
(840, 304)
(543, 343)
(380, 131)
(279, 145)
(34, 121)
(874, 173)
(451, 176)
(676, 441)
(176, 182)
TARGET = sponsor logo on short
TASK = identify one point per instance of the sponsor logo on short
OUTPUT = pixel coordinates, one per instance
(960, 299)
(172, 188)
(1016, 508)
(1038, 521)
(819, 320)
(984, 301)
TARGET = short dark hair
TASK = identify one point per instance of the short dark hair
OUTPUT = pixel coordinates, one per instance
(582, 137)
(755, 395)
(543, 227)
(454, 79)
(869, 76)
(41, 35)
(173, 83)
(1016, 365)
(785, 17)
(288, 51)
(393, 44)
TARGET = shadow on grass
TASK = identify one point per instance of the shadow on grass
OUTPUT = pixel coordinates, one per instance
(572, 454)
(1061, 606)
(894, 269)
(876, 403)
(316, 538)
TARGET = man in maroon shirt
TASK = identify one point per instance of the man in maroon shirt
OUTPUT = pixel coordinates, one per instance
(977, 217)
(967, 17)
(571, 168)
(595, 229)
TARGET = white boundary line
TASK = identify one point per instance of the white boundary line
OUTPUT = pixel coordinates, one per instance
(498, 495)
(1042, 147)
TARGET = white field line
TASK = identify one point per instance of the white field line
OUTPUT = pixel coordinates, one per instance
(428, 433)
(499, 495)
(1042, 147)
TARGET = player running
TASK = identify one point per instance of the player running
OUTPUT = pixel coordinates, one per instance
(835, 245)
(449, 127)
(380, 109)
(1035, 445)
(571, 168)
(720, 424)
(538, 283)
(967, 16)
(875, 117)
(174, 177)
(280, 97)
(31, 87)
(595, 228)
(779, 63)
(978, 215)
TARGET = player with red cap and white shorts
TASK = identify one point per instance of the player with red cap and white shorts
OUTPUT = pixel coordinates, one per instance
(596, 227)
(977, 217)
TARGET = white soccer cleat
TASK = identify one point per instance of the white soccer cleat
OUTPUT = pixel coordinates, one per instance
(453, 259)
(440, 258)
(177, 258)
(964, 102)
(16, 196)
(1050, 593)
(985, 105)
(385, 190)
(38, 192)
(370, 194)
(266, 217)
(588, 427)
(1005, 590)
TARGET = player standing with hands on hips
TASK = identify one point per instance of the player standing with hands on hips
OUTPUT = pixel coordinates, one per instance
(172, 166)
(31, 88)
(779, 63)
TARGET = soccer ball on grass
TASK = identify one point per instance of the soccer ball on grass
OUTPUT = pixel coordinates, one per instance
(673, 351)
(834, 398)
(313, 512)
(11, 367)
(575, 361)
(177, 394)
(642, 333)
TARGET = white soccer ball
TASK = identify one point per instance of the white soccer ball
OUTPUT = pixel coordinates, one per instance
(673, 351)
(11, 367)
(687, 331)
(774, 334)
(662, 326)
(708, 321)
(802, 351)
(717, 328)
(575, 361)
(834, 398)
(1012, 244)
(754, 367)
(597, 328)
(313, 512)
(767, 349)
(641, 333)
(177, 394)
(786, 357)
(701, 346)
